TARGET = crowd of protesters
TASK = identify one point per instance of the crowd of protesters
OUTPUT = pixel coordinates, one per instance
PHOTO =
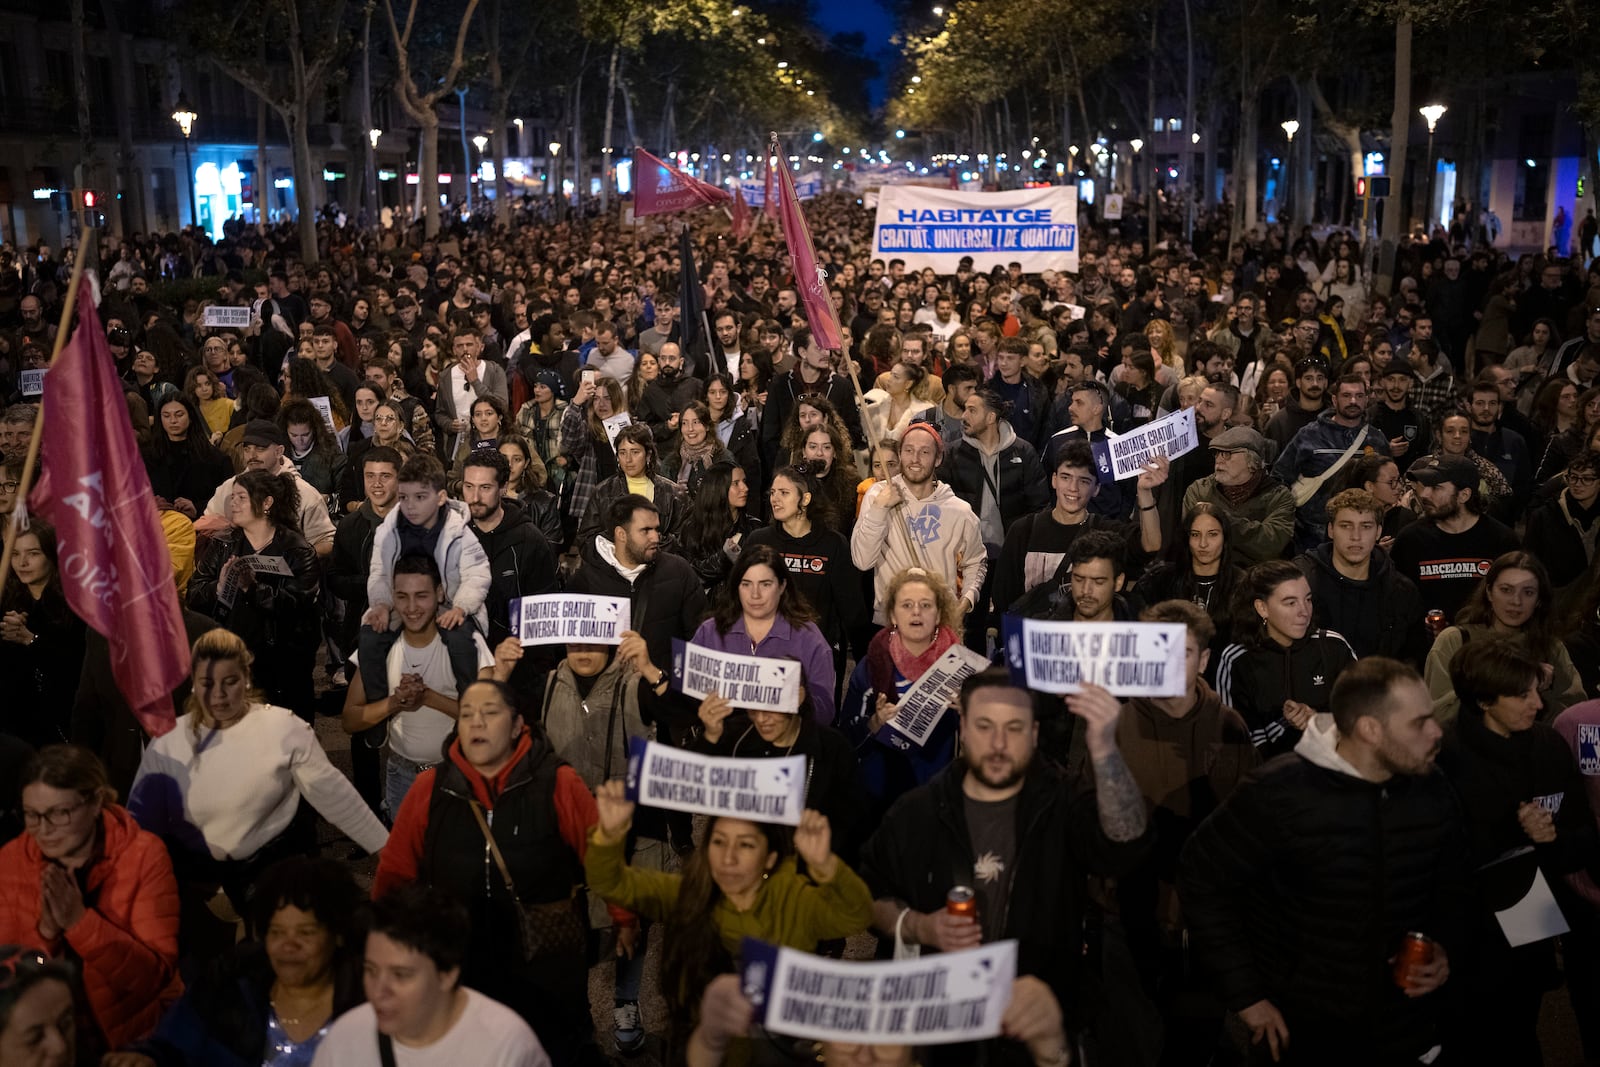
(1383, 554)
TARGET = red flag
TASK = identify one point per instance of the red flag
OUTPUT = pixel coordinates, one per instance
(660, 187)
(809, 278)
(114, 564)
(741, 215)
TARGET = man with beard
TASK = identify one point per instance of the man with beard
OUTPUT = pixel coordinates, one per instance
(1504, 447)
(1285, 910)
(1393, 416)
(813, 374)
(1260, 509)
(664, 398)
(1310, 397)
(1239, 332)
(521, 562)
(1448, 550)
(1013, 830)
(1218, 401)
(262, 449)
(1311, 462)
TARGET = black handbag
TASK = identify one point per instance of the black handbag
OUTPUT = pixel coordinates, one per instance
(550, 929)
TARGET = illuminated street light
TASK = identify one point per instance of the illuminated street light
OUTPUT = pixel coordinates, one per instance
(1432, 113)
(1136, 144)
(184, 116)
(481, 141)
(373, 135)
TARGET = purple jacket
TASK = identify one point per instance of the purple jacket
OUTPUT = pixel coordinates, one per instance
(805, 645)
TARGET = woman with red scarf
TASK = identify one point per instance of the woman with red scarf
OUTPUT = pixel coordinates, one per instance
(924, 621)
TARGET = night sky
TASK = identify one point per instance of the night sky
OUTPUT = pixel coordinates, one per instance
(866, 17)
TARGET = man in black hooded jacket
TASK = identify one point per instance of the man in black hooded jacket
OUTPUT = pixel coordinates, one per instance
(521, 561)
(1355, 590)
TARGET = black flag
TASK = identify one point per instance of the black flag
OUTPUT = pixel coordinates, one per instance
(691, 305)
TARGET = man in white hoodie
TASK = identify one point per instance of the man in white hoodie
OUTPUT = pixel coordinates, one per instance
(915, 520)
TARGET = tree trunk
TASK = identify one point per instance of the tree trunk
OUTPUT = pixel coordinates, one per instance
(627, 116)
(428, 173)
(502, 190)
(1245, 165)
(1305, 205)
(577, 145)
(305, 203)
(605, 137)
(263, 183)
(369, 191)
(1213, 138)
(1399, 145)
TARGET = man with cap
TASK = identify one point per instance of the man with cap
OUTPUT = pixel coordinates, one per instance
(1260, 508)
(1447, 551)
(1310, 397)
(1311, 462)
(262, 448)
(1393, 416)
(915, 520)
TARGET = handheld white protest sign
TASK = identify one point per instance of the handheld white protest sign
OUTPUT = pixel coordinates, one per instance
(1131, 659)
(925, 703)
(1170, 436)
(31, 382)
(615, 425)
(563, 618)
(761, 790)
(934, 1000)
(229, 318)
(754, 683)
(322, 405)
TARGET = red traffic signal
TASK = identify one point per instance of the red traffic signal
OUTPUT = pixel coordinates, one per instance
(1361, 187)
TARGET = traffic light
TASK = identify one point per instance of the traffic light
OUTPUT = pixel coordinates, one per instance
(92, 203)
(1361, 187)
(1378, 186)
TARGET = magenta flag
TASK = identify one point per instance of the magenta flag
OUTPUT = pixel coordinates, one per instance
(809, 277)
(741, 215)
(659, 187)
(113, 559)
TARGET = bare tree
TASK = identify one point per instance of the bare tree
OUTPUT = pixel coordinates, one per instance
(421, 103)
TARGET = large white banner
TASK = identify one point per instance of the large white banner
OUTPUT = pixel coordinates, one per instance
(1131, 659)
(765, 790)
(936, 227)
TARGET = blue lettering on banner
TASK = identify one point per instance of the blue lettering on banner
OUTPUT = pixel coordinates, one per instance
(975, 215)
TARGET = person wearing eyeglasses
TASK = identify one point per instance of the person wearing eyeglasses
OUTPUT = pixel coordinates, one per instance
(38, 1023)
(86, 883)
(1563, 533)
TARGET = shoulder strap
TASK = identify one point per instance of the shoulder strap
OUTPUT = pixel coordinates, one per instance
(549, 691)
(494, 849)
(385, 1049)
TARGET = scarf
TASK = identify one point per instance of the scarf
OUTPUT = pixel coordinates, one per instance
(912, 667)
(1238, 494)
(690, 457)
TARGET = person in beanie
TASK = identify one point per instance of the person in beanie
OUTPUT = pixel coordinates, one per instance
(915, 520)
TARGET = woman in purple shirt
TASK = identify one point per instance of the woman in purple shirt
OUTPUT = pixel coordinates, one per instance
(760, 614)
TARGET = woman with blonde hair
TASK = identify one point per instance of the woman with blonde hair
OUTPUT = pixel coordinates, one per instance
(925, 621)
(1164, 344)
(211, 397)
(224, 790)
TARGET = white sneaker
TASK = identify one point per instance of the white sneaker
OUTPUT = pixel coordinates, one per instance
(627, 1031)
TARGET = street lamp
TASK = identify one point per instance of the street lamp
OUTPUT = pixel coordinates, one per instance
(373, 135)
(184, 116)
(1290, 127)
(1432, 113)
(550, 178)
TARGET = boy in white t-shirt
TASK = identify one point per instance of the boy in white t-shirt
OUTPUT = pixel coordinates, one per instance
(416, 1004)
(420, 707)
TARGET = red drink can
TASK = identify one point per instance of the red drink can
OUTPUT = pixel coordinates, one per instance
(1415, 951)
(962, 900)
(1436, 623)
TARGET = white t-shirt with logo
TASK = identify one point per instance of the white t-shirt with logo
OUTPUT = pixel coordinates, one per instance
(418, 735)
(488, 1034)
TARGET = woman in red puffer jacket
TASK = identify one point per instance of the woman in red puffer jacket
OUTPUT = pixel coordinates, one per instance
(85, 880)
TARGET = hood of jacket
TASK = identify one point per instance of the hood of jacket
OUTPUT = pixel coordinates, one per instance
(603, 553)
(530, 748)
(508, 530)
(942, 493)
(1007, 437)
(1319, 746)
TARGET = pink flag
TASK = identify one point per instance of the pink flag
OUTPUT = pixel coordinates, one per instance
(660, 187)
(809, 278)
(114, 563)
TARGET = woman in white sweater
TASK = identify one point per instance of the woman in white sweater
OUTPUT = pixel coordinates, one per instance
(223, 788)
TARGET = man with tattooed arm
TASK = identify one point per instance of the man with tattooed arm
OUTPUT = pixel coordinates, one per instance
(1013, 831)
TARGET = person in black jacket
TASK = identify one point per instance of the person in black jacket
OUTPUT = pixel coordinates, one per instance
(813, 374)
(275, 614)
(41, 641)
(1281, 672)
(718, 523)
(1301, 888)
(304, 953)
(1014, 830)
(1355, 590)
(185, 468)
(1519, 786)
(833, 775)
(521, 561)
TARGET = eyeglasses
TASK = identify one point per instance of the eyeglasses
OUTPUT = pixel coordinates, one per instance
(10, 487)
(1582, 479)
(1393, 483)
(57, 817)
